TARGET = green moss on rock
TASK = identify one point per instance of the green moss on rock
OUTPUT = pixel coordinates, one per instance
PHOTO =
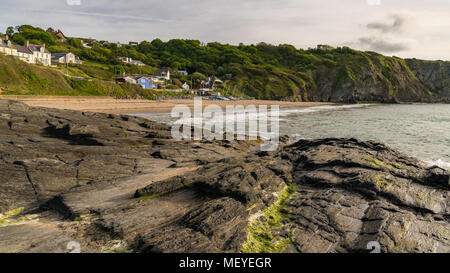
(261, 238)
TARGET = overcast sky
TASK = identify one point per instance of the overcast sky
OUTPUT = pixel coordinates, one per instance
(412, 28)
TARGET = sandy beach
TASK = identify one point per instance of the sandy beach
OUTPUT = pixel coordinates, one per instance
(125, 106)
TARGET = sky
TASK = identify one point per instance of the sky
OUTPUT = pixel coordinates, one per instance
(412, 28)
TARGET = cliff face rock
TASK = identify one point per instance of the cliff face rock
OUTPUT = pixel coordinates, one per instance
(371, 79)
(435, 75)
(381, 79)
(121, 184)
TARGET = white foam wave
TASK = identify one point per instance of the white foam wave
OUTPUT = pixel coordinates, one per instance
(321, 108)
(439, 163)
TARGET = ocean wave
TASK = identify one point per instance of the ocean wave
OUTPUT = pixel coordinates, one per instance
(439, 163)
(313, 109)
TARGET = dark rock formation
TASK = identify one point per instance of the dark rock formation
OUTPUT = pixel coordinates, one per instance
(119, 183)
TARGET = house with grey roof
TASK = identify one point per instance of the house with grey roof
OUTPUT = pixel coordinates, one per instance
(41, 54)
(6, 47)
(163, 74)
(65, 57)
(24, 53)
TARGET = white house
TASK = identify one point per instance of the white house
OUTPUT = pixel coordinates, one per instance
(163, 74)
(186, 86)
(66, 57)
(6, 47)
(25, 53)
(85, 44)
(41, 54)
(130, 61)
(138, 63)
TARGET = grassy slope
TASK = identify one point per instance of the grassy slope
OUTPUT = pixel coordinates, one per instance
(19, 78)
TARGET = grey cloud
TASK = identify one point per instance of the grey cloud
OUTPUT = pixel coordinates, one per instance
(388, 36)
(303, 23)
(381, 45)
(397, 25)
(108, 15)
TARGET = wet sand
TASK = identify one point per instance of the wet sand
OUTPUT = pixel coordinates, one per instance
(127, 106)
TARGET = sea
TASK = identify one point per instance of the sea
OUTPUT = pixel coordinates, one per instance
(419, 130)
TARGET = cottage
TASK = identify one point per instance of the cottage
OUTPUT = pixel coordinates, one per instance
(41, 54)
(163, 74)
(183, 72)
(24, 53)
(146, 83)
(65, 57)
(6, 47)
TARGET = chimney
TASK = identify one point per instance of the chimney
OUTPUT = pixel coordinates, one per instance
(27, 43)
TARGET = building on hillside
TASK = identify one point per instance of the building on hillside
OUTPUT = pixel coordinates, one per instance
(147, 83)
(186, 86)
(65, 57)
(85, 44)
(212, 83)
(129, 60)
(61, 37)
(124, 59)
(182, 72)
(133, 43)
(138, 63)
(6, 47)
(126, 79)
(41, 54)
(25, 53)
(163, 74)
(58, 34)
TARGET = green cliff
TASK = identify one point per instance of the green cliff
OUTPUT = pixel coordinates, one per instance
(262, 71)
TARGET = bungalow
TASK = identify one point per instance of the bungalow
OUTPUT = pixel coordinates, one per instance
(163, 74)
(41, 54)
(65, 57)
(146, 83)
(6, 47)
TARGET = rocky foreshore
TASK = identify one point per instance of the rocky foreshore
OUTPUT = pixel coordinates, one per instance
(115, 183)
